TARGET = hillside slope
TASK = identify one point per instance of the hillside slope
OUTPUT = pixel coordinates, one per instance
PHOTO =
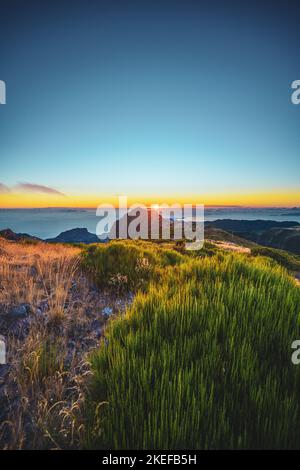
(211, 333)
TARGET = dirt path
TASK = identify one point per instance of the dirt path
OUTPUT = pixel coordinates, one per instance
(228, 246)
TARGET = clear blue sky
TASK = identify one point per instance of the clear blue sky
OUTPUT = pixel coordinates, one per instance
(150, 97)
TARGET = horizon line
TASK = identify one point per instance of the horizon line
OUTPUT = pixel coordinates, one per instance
(242, 206)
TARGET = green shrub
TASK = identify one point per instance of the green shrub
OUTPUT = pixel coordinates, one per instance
(288, 260)
(138, 261)
(201, 360)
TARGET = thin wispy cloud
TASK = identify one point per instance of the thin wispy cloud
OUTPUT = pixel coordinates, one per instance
(4, 189)
(38, 188)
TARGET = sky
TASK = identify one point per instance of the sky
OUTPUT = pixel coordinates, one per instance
(163, 101)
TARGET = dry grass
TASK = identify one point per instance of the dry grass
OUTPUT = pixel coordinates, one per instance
(229, 246)
(42, 391)
(44, 395)
(31, 273)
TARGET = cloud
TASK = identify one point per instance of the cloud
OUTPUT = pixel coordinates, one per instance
(38, 188)
(4, 189)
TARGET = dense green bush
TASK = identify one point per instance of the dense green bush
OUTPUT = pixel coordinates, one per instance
(135, 262)
(201, 360)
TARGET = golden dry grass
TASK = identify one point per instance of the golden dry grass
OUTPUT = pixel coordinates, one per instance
(41, 406)
(30, 273)
(229, 246)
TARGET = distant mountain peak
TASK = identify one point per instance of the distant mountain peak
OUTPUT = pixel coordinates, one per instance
(75, 235)
(9, 234)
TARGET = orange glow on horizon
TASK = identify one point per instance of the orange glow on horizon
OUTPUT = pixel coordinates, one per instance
(278, 198)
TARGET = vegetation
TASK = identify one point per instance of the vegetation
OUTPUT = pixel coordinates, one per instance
(42, 386)
(284, 258)
(130, 263)
(219, 235)
(202, 360)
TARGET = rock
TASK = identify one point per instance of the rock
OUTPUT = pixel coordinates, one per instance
(89, 312)
(95, 325)
(4, 370)
(4, 377)
(98, 334)
(107, 311)
(43, 306)
(28, 308)
(33, 271)
(20, 328)
(20, 311)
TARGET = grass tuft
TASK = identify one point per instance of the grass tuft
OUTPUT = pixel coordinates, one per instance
(202, 360)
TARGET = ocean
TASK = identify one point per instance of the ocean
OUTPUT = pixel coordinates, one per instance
(48, 223)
